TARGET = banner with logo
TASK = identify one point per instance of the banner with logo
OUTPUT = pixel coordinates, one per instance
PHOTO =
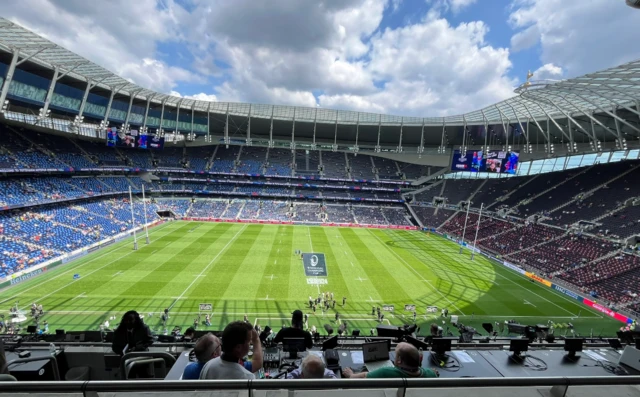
(409, 308)
(314, 264)
(206, 307)
(538, 279)
(607, 311)
(388, 308)
(567, 292)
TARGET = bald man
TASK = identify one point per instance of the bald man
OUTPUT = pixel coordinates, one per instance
(207, 348)
(311, 367)
(406, 365)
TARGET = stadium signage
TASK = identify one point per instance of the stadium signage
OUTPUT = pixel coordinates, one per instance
(317, 281)
(75, 256)
(538, 279)
(26, 276)
(388, 308)
(607, 311)
(409, 308)
(513, 267)
(432, 309)
(206, 307)
(567, 292)
(314, 264)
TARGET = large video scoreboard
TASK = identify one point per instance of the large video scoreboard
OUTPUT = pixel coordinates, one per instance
(133, 139)
(495, 161)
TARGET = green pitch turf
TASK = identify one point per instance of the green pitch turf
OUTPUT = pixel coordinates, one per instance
(252, 270)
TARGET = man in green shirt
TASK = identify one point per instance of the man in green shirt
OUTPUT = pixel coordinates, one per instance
(406, 365)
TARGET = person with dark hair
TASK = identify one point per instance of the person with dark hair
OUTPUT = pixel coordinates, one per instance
(236, 340)
(131, 335)
(406, 365)
(189, 334)
(295, 331)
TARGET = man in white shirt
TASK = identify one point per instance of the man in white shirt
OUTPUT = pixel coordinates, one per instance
(236, 340)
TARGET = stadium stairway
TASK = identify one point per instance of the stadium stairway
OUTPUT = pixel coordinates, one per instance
(38, 147)
(212, 158)
(85, 154)
(413, 193)
(476, 191)
(448, 219)
(413, 215)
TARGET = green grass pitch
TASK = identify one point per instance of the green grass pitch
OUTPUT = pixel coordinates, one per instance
(251, 269)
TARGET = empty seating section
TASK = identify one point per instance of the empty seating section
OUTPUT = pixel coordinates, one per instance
(416, 171)
(233, 209)
(34, 190)
(34, 236)
(251, 160)
(520, 238)
(427, 195)
(198, 157)
(338, 214)
(334, 165)
(582, 183)
(274, 210)
(496, 188)
(387, 168)
(170, 157)
(336, 193)
(536, 185)
(307, 162)
(178, 207)
(137, 158)
(366, 215)
(207, 208)
(621, 224)
(457, 190)
(250, 210)
(279, 162)
(361, 167)
(307, 213)
(488, 226)
(429, 217)
(396, 216)
(564, 253)
(225, 159)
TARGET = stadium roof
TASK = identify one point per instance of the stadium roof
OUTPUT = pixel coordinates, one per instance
(601, 92)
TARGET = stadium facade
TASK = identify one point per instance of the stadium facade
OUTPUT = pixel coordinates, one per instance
(591, 113)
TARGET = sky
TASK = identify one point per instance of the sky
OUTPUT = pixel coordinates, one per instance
(424, 58)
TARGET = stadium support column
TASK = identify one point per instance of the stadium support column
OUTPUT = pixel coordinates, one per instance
(463, 148)
(108, 110)
(126, 119)
(377, 148)
(315, 118)
(271, 144)
(293, 133)
(177, 119)
(162, 116)
(146, 111)
(464, 230)
(226, 128)
(399, 149)
(9, 77)
(355, 148)
(475, 240)
(545, 135)
(249, 127)
(144, 206)
(208, 138)
(52, 86)
(193, 111)
(335, 135)
(133, 221)
(444, 133)
(421, 147)
(486, 131)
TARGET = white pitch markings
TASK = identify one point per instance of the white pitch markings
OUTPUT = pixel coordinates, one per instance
(276, 261)
(419, 275)
(117, 274)
(80, 296)
(212, 260)
(361, 279)
(526, 302)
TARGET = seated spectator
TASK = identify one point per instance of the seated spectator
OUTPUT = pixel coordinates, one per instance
(405, 365)
(131, 335)
(311, 367)
(189, 334)
(236, 340)
(207, 348)
(295, 331)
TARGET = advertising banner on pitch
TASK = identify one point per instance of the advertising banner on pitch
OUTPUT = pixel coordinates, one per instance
(314, 264)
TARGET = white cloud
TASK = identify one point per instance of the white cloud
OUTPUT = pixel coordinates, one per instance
(200, 97)
(547, 71)
(120, 35)
(578, 36)
(454, 5)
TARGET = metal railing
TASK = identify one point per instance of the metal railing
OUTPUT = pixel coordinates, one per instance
(91, 388)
